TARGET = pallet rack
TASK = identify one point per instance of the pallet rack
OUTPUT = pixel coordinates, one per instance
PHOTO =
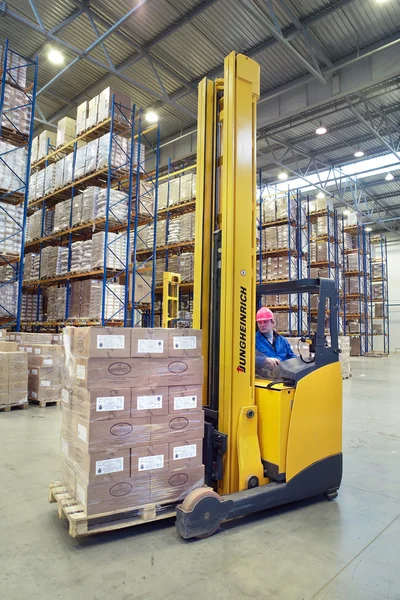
(332, 267)
(16, 71)
(379, 297)
(147, 305)
(362, 318)
(126, 136)
(291, 216)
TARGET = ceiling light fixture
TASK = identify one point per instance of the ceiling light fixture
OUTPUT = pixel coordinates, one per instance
(368, 229)
(321, 129)
(320, 195)
(151, 117)
(358, 153)
(55, 56)
(346, 213)
(282, 176)
(389, 177)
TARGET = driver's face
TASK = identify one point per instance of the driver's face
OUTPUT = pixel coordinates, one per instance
(266, 326)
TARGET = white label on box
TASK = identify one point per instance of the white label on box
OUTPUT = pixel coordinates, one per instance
(108, 342)
(188, 451)
(45, 383)
(106, 403)
(80, 493)
(154, 346)
(111, 465)
(34, 371)
(34, 394)
(145, 463)
(185, 342)
(48, 362)
(11, 336)
(82, 432)
(28, 349)
(184, 402)
(80, 371)
(64, 447)
(149, 402)
(38, 351)
(65, 396)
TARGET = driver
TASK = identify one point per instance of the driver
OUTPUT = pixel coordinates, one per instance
(271, 348)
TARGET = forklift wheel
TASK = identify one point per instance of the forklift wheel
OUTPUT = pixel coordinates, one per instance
(196, 497)
(331, 495)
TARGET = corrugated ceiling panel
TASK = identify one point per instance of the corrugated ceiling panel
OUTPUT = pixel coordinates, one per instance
(147, 22)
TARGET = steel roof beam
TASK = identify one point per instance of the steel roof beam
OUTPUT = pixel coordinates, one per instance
(144, 88)
(314, 48)
(368, 120)
(340, 184)
(140, 52)
(85, 53)
(290, 33)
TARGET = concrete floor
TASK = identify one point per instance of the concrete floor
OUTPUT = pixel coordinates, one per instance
(348, 549)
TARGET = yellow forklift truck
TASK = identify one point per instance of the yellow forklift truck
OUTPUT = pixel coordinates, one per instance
(267, 443)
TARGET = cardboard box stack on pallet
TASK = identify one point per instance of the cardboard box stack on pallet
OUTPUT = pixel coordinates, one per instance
(45, 359)
(132, 423)
(13, 375)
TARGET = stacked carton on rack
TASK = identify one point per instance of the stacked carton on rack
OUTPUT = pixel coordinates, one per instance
(132, 421)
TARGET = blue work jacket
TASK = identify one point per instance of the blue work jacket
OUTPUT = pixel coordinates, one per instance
(280, 348)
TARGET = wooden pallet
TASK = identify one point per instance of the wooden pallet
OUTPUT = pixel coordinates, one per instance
(8, 407)
(80, 524)
(44, 403)
(375, 354)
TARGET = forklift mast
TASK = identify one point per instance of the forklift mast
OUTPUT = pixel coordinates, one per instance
(225, 255)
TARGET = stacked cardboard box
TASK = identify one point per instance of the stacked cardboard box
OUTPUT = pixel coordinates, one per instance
(13, 375)
(132, 421)
(45, 363)
(66, 128)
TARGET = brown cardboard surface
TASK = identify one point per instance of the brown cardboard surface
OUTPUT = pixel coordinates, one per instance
(46, 350)
(101, 405)
(68, 426)
(148, 459)
(93, 373)
(148, 402)
(3, 398)
(8, 346)
(97, 436)
(67, 474)
(18, 385)
(51, 393)
(17, 397)
(37, 361)
(185, 454)
(52, 374)
(106, 497)
(170, 372)
(184, 343)
(184, 398)
(149, 343)
(186, 426)
(102, 342)
(99, 467)
(174, 486)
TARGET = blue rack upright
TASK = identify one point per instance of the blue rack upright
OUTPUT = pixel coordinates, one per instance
(17, 108)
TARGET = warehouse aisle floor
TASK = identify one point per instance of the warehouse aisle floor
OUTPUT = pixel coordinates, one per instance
(341, 550)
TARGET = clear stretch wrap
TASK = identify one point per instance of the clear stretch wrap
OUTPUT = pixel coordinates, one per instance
(13, 375)
(132, 423)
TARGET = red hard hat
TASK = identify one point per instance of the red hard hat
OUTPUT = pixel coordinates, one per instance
(264, 314)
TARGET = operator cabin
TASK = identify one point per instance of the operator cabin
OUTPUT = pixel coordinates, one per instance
(271, 348)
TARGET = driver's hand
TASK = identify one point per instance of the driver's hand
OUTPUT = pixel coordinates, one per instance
(272, 361)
